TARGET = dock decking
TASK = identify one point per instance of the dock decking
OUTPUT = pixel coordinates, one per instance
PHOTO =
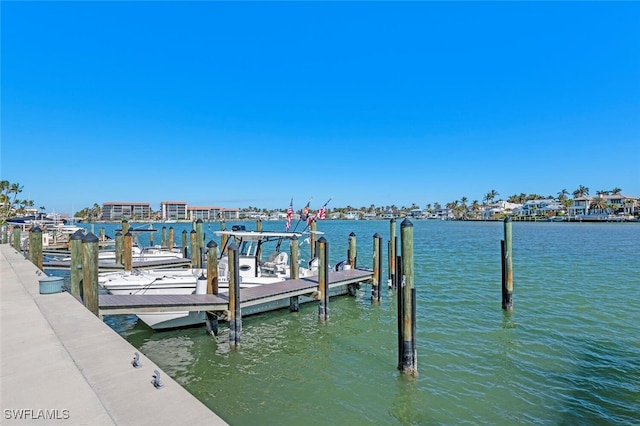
(110, 304)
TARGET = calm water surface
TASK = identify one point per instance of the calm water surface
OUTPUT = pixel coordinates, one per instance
(569, 352)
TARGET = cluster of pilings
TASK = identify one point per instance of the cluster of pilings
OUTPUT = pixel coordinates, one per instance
(84, 274)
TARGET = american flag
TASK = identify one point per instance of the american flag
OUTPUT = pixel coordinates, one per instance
(322, 213)
(289, 214)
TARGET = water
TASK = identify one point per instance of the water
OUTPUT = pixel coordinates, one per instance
(569, 352)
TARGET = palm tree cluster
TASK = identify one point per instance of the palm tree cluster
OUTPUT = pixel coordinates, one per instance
(10, 204)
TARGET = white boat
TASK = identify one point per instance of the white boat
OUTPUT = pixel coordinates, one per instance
(138, 254)
(252, 270)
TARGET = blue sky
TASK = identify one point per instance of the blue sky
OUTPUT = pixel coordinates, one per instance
(238, 104)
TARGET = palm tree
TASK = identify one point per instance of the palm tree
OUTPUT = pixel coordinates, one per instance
(463, 207)
(598, 203)
(616, 191)
(562, 195)
(491, 195)
(582, 191)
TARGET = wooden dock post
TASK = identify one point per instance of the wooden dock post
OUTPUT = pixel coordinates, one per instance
(392, 283)
(377, 268)
(235, 318)
(127, 254)
(294, 272)
(102, 234)
(151, 236)
(352, 254)
(200, 245)
(164, 237)
(171, 236)
(35, 246)
(90, 249)
(259, 225)
(125, 226)
(195, 249)
(212, 267)
(409, 357)
(223, 238)
(312, 238)
(185, 253)
(507, 266)
(323, 278)
(17, 238)
(119, 247)
(75, 241)
(211, 319)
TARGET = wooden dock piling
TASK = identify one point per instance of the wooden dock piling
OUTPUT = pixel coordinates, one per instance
(76, 263)
(408, 349)
(323, 277)
(127, 251)
(195, 249)
(352, 253)
(35, 246)
(164, 237)
(312, 238)
(185, 250)
(17, 240)
(235, 318)
(377, 268)
(392, 283)
(119, 247)
(90, 292)
(507, 266)
(294, 273)
(200, 245)
(212, 267)
(171, 236)
(223, 239)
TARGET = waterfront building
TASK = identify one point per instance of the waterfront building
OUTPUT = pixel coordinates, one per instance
(121, 210)
(212, 213)
(173, 210)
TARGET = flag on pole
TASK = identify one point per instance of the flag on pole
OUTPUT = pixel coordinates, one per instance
(322, 213)
(289, 214)
(304, 215)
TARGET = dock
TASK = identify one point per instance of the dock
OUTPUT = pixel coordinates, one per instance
(110, 304)
(59, 362)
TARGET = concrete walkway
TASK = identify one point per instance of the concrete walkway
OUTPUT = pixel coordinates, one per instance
(61, 364)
